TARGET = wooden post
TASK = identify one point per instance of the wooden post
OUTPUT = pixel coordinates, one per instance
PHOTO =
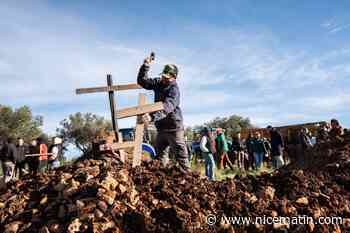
(139, 131)
(122, 153)
(112, 107)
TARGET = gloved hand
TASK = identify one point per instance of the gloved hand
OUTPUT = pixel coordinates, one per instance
(158, 115)
(149, 60)
(146, 118)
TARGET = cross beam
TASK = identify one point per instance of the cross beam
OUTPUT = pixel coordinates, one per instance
(107, 89)
(117, 146)
(139, 110)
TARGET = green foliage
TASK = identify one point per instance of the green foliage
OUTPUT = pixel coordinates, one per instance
(19, 123)
(189, 134)
(47, 139)
(81, 129)
(232, 124)
(194, 133)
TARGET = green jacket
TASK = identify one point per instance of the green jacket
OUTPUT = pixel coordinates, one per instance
(221, 144)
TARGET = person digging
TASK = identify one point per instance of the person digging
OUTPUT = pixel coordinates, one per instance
(169, 122)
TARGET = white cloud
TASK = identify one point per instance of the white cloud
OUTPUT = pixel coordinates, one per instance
(333, 26)
(250, 73)
(329, 102)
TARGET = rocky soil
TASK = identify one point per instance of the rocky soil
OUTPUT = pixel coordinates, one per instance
(106, 196)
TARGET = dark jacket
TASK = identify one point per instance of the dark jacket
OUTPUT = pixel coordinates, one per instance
(9, 152)
(170, 119)
(335, 132)
(322, 134)
(258, 146)
(277, 143)
(237, 145)
(33, 150)
(267, 144)
(304, 140)
(249, 145)
(21, 152)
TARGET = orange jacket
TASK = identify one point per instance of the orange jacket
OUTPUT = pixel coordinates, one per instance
(43, 152)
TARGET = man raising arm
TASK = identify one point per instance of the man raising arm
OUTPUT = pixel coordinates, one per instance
(169, 122)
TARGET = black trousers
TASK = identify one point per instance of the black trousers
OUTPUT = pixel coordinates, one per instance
(33, 166)
(175, 143)
(251, 160)
(19, 169)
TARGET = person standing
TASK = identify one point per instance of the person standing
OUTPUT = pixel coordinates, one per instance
(197, 153)
(2, 153)
(8, 157)
(169, 122)
(22, 150)
(189, 149)
(277, 146)
(322, 133)
(207, 146)
(336, 130)
(267, 157)
(56, 151)
(237, 149)
(43, 157)
(222, 149)
(33, 161)
(259, 150)
(249, 143)
(304, 139)
(304, 144)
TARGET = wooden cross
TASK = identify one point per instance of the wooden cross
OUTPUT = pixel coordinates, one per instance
(110, 88)
(138, 111)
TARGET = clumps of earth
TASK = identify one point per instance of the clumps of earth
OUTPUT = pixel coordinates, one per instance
(105, 195)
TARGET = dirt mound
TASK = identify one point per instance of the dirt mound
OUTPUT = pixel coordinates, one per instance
(324, 155)
(105, 196)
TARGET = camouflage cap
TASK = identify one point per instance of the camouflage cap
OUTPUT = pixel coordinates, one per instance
(170, 71)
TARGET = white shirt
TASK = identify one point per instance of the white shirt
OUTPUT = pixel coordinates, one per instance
(54, 153)
(203, 144)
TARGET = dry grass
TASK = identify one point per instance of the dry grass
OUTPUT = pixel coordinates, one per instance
(222, 174)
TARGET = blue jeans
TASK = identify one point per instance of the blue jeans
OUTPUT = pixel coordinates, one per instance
(258, 159)
(209, 165)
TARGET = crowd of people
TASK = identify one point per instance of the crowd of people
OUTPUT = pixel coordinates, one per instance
(219, 153)
(249, 153)
(17, 157)
(255, 151)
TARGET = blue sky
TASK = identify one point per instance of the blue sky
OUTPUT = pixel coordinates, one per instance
(276, 62)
